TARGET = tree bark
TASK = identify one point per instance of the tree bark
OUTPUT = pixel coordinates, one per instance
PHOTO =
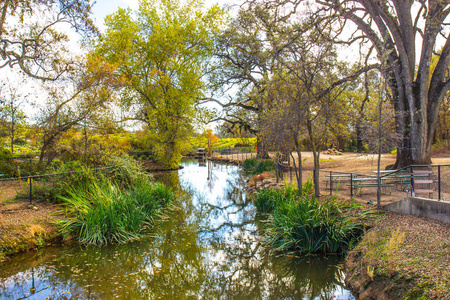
(261, 151)
(417, 90)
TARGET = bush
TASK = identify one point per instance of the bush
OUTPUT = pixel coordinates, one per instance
(7, 164)
(105, 213)
(254, 166)
(302, 223)
(126, 171)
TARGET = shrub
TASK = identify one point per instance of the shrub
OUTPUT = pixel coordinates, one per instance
(253, 166)
(302, 223)
(105, 213)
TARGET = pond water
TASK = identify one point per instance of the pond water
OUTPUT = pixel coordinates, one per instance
(210, 248)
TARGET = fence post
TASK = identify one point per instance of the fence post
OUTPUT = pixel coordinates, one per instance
(351, 185)
(331, 181)
(276, 169)
(412, 181)
(439, 182)
(30, 181)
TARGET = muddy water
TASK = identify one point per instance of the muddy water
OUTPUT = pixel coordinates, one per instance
(210, 248)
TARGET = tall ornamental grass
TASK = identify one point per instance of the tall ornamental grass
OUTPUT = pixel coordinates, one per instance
(254, 166)
(105, 213)
(300, 222)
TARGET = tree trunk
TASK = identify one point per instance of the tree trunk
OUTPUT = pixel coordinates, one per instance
(262, 151)
(299, 171)
(358, 138)
(316, 155)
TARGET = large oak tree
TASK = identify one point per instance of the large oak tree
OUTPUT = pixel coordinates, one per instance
(409, 32)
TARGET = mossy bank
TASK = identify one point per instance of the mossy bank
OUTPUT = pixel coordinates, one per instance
(401, 257)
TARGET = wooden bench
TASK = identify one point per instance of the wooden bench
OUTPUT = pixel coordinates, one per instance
(429, 181)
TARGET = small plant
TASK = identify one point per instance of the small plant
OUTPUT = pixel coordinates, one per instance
(393, 247)
(370, 272)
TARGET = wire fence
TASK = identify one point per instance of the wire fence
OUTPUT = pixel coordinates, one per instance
(427, 181)
(27, 185)
(233, 154)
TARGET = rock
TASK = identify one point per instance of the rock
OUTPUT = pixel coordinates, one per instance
(32, 206)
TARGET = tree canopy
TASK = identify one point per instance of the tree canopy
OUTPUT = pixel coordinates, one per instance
(162, 51)
(32, 34)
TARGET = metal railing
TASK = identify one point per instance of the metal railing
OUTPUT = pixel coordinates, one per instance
(394, 183)
(233, 154)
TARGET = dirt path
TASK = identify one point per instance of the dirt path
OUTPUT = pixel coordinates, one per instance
(23, 227)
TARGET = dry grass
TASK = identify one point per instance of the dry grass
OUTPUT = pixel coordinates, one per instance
(402, 256)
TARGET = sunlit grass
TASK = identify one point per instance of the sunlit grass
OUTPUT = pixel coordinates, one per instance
(105, 213)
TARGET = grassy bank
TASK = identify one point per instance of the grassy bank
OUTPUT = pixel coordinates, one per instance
(401, 257)
(33, 232)
(111, 206)
(301, 223)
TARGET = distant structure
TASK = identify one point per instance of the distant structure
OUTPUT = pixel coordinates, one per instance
(201, 156)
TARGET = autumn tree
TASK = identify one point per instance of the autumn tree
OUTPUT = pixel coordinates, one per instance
(162, 51)
(212, 140)
(73, 101)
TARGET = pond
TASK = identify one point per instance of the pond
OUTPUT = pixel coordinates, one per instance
(209, 248)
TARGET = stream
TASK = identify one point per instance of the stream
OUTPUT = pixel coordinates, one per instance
(210, 247)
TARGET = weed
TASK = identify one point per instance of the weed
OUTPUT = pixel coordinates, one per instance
(392, 249)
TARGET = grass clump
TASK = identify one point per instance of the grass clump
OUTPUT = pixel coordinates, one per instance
(300, 222)
(254, 166)
(267, 200)
(106, 213)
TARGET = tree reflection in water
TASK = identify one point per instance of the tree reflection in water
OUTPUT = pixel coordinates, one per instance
(209, 247)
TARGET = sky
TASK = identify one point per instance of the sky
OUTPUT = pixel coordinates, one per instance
(102, 8)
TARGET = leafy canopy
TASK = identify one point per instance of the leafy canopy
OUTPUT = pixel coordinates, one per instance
(162, 51)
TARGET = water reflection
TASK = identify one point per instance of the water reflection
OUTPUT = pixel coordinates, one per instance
(209, 248)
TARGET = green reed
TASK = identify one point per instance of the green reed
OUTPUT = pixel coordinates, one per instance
(105, 212)
(254, 166)
(300, 222)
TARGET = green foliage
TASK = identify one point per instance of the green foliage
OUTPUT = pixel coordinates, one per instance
(302, 223)
(106, 213)
(253, 166)
(267, 200)
(160, 53)
(126, 171)
(7, 164)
